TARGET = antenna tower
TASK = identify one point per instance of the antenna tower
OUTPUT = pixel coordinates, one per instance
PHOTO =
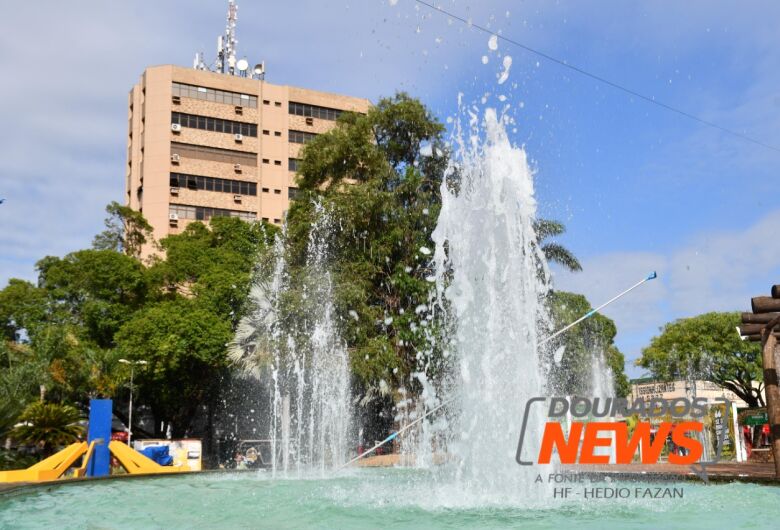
(226, 62)
(226, 44)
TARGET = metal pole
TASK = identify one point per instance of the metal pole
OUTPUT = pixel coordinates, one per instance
(651, 276)
(130, 412)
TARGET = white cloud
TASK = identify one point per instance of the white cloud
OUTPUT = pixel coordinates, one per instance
(721, 271)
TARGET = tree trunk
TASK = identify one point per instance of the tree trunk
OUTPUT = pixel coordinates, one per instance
(742, 392)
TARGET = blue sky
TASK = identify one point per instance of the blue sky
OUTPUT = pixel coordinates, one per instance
(639, 188)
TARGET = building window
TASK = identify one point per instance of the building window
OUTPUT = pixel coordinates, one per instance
(301, 137)
(277, 162)
(203, 213)
(266, 132)
(198, 182)
(214, 124)
(266, 190)
(214, 154)
(277, 133)
(292, 164)
(313, 111)
(212, 94)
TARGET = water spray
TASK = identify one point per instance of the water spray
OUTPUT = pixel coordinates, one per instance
(558, 354)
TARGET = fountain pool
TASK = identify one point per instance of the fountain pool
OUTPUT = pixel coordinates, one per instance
(363, 498)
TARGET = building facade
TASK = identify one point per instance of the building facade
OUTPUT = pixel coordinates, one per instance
(648, 389)
(203, 144)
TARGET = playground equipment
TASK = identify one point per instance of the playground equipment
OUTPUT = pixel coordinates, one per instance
(95, 455)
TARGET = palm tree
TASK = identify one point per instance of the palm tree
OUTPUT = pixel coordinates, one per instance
(9, 411)
(554, 252)
(48, 425)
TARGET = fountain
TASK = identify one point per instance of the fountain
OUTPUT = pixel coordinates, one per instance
(303, 356)
(486, 249)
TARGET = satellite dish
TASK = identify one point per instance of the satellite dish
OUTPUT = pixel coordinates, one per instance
(242, 65)
(259, 69)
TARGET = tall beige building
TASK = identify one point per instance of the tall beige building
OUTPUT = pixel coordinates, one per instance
(203, 144)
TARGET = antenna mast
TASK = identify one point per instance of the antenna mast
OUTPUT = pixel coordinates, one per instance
(226, 62)
(226, 44)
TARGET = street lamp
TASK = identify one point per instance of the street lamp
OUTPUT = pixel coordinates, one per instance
(130, 411)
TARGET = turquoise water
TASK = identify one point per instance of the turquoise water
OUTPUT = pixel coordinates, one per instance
(386, 498)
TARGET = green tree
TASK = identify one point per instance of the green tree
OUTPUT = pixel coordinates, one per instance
(385, 215)
(48, 426)
(707, 347)
(97, 290)
(184, 346)
(127, 231)
(213, 263)
(589, 339)
(555, 252)
(22, 307)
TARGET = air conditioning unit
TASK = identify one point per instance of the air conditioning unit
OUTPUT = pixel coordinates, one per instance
(176, 100)
(309, 121)
(239, 109)
(175, 158)
(239, 137)
(174, 191)
(237, 198)
(173, 217)
(176, 127)
(237, 168)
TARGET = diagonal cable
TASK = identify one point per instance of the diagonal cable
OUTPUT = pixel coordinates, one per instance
(600, 79)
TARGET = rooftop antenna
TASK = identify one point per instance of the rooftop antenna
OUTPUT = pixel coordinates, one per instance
(226, 62)
(198, 63)
(226, 44)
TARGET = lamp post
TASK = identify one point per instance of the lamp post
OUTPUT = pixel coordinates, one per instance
(130, 411)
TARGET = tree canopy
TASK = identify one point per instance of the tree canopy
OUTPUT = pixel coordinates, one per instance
(62, 338)
(385, 216)
(126, 231)
(707, 347)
